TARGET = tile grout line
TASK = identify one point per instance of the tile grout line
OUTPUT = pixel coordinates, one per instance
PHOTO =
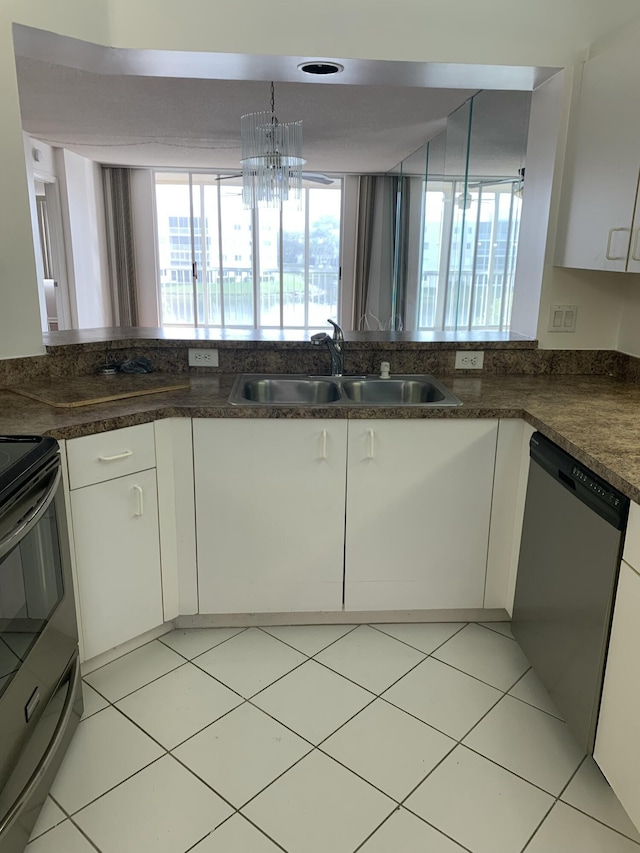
(214, 646)
(375, 696)
(131, 692)
(124, 655)
(265, 630)
(413, 814)
(72, 814)
(166, 646)
(487, 625)
(513, 773)
(553, 805)
(309, 657)
(313, 746)
(317, 747)
(73, 823)
(226, 820)
(380, 630)
(597, 820)
(513, 696)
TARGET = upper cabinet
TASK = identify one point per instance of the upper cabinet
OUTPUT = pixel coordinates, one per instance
(601, 221)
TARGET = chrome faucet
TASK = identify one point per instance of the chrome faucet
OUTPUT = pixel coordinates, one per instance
(334, 344)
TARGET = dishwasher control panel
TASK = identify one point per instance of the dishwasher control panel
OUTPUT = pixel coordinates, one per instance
(612, 498)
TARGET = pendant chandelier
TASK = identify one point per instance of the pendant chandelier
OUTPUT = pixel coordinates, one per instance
(271, 159)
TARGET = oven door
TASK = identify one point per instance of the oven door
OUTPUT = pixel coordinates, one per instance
(38, 633)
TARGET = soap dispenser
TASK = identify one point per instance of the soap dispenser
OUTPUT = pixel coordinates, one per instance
(384, 370)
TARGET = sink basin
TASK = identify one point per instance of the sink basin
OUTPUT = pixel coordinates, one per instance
(391, 392)
(339, 391)
(288, 391)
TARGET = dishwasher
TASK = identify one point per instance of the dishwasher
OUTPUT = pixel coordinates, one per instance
(570, 552)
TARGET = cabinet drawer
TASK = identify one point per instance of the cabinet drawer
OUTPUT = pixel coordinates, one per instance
(96, 458)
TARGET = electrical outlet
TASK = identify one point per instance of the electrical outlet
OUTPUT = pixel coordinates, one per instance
(203, 357)
(469, 359)
(562, 318)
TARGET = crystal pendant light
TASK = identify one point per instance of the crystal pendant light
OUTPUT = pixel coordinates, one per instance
(271, 159)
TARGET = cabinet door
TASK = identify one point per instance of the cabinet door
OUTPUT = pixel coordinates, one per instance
(118, 559)
(270, 497)
(418, 510)
(606, 159)
(618, 736)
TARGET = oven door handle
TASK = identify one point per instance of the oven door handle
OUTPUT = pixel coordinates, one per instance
(26, 524)
(52, 749)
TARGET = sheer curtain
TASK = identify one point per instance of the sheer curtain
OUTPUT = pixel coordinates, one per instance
(120, 245)
(381, 253)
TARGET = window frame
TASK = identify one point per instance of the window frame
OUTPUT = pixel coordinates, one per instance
(199, 282)
(446, 315)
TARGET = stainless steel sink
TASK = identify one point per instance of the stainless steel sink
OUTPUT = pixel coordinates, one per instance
(300, 391)
(340, 391)
(392, 392)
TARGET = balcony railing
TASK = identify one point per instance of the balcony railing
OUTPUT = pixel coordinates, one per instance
(321, 301)
(482, 305)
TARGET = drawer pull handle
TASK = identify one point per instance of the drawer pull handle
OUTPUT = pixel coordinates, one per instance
(372, 447)
(116, 456)
(140, 501)
(323, 444)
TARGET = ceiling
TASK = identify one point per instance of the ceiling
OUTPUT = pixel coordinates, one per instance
(115, 108)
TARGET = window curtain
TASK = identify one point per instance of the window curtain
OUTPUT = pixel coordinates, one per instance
(120, 245)
(381, 253)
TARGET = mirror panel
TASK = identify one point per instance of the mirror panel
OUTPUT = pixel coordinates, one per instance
(459, 275)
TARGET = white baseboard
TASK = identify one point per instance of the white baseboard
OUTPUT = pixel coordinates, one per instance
(88, 666)
(241, 620)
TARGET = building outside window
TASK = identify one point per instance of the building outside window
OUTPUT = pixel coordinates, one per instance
(223, 266)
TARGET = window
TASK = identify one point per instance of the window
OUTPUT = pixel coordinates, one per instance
(467, 283)
(221, 265)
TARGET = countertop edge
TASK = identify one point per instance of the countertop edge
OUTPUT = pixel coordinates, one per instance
(162, 406)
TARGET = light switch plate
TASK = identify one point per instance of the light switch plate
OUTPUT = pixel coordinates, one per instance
(469, 359)
(562, 318)
(202, 357)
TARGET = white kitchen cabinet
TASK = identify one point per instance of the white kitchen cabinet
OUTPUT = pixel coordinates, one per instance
(270, 503)
(418, 513)
(114, 521)
(118, 557)
(617, 749)
(597, 228)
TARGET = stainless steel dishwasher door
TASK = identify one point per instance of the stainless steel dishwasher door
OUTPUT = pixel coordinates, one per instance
(567, 572)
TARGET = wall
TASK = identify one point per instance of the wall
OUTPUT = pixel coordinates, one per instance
(494, 32)
(83, 212)
(629, 337)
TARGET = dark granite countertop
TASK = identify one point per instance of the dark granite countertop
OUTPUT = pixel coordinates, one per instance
(595, 418)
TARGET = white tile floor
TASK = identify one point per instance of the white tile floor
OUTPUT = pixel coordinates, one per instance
(327, 739)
